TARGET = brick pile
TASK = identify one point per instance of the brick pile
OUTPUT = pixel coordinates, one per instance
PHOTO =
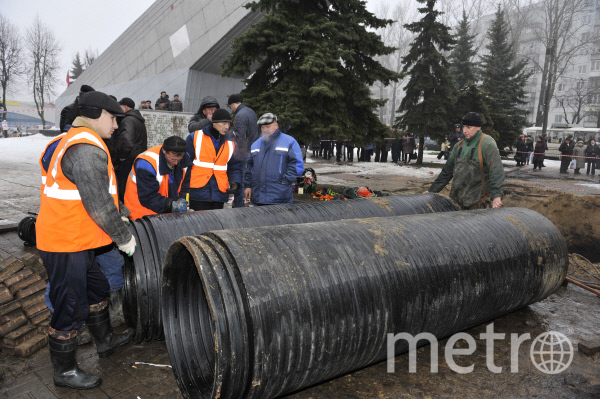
(24, 316)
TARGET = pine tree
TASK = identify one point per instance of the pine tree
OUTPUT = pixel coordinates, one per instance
(77, 68)
(461, 66)
(426, 109)
(313, 62)
(504, 82)
(471, 99)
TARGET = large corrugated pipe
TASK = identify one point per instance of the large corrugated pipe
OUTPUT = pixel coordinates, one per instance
(154, 235)
(257, 313)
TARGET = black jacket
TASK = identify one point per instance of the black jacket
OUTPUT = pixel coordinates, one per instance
(161, 100)
(68, 115)
(131, 138)
(176, 106)
(199, 121)
(566, 149)
(591, 151)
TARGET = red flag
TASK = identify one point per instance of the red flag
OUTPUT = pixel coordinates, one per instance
(68, 81)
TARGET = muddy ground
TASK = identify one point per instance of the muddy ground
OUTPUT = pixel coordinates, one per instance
(571, 311)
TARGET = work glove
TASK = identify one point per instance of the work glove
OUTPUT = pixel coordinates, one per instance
(233, 187)
(125, 219)
(128, 248)
(180, 205)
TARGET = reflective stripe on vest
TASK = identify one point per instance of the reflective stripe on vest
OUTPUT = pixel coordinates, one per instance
(63, 224)
(208, 163)
(132, 200)
(42, 171)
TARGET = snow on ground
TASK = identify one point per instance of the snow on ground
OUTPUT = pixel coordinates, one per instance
(23, 150)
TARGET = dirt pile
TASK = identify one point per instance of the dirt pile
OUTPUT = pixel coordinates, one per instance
(576, 217)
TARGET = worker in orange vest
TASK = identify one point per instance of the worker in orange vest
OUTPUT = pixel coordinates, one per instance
(79, 215)
(215, 172)
(159, 180)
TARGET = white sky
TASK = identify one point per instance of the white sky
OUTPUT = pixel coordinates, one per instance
(81, 25)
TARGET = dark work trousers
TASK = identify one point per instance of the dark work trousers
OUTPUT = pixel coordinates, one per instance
(122, 173)
(384, 153)
(350, 150)
(368, 154)
(564, 164)
(326, 146)
(591, 164)
(396, 150)
(238, 196)
(205, 205)
(76, 282)
(377, 153)
(339, 151)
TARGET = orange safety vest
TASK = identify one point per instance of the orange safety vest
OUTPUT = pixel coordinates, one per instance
(63, 225)
(207, 162)
(44, 173)
(132, 201)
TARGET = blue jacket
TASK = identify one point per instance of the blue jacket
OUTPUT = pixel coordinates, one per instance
(246, 129)
(148, 186)
(210, 192)
(273, 167)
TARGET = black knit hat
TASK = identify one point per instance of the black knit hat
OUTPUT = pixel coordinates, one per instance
(92, 103)
(175, 144)
(234, 98)
(86, 88)
(472, 119)
(221, 115)
(127, 102)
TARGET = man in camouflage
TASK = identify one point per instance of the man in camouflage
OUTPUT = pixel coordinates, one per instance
(463, 167)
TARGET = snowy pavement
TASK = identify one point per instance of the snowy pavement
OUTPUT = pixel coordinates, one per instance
(20, 175)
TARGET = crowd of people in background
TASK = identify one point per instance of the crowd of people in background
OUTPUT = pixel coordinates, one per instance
(402, 148)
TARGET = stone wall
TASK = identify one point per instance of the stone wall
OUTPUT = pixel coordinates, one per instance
(163, 124)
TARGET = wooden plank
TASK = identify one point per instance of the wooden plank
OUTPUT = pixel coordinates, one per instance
(34, 278)
(35, 308)
(31, 299)
(32, 289)
(18, 276)
(16, 320)
(31, 346)
(10, 307)
(20, 335)
(41, 318)
(5, 294)
(10, 270)
(7, 261)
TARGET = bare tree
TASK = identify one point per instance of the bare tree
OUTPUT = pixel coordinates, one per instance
(11, 64)
(559, 27)
(397, 36)
(43, 52)
(89, 57)
(578, 101)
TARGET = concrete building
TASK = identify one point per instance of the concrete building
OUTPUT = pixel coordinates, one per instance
(175, 46)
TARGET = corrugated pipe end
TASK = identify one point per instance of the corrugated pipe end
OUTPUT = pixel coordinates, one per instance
(205, 320)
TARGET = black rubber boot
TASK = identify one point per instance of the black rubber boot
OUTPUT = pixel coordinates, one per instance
(116, 308)
(66, 371)
(106, 341)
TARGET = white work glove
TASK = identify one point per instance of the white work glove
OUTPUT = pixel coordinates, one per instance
(125, 219)
(128, 248)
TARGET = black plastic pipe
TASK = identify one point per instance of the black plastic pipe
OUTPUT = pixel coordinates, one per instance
(154, 235)
(257, 313)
